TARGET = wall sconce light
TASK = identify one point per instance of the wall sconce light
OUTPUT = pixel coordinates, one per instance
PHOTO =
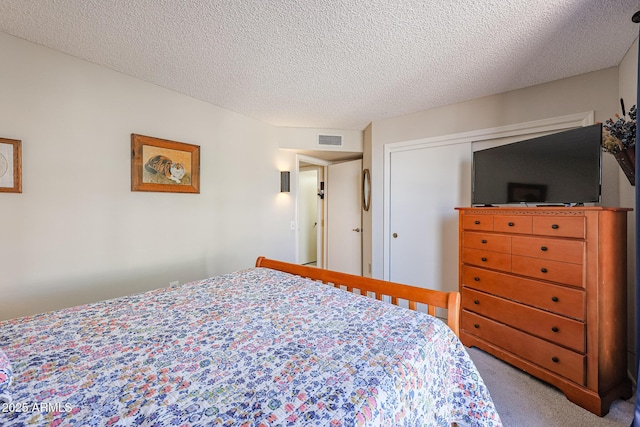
(285, 187)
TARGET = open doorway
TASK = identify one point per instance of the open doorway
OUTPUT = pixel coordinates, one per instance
(312, 212)
(309, 222)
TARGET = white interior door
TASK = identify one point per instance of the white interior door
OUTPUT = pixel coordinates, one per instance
(426, 185)
(344, 217)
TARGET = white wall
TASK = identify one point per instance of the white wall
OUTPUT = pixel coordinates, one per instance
(628, 76)
(307, 139)
(78, 233)
(367, 218)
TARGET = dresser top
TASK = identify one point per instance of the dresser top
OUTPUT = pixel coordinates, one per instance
(542, 208)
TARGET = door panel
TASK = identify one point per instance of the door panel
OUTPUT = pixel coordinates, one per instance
(344, 217)
(426, 185)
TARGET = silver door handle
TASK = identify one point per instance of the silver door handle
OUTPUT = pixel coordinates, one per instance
(357, 230)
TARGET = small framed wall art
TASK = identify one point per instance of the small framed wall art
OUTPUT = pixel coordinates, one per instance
(10, 166)
(163, 165)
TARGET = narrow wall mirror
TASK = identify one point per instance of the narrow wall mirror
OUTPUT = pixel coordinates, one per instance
(366, 189)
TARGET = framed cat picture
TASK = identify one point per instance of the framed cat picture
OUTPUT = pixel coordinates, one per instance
(10, 165)
(163, 165)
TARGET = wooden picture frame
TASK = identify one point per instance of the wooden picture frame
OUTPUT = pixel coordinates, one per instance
(10, 165)
(164, 166)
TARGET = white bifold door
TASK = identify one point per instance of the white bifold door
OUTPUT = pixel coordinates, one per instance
(426, 184)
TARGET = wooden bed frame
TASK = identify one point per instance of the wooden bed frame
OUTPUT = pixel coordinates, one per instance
(377, 288)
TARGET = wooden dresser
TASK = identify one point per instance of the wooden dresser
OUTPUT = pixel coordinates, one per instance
(544, 289)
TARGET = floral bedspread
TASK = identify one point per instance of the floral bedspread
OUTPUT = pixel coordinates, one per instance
(253, 348)
(6, 377)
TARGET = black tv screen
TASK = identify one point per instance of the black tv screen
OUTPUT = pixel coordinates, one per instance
(559, 168)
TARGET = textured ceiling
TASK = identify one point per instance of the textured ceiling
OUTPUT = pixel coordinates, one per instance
(333, 63)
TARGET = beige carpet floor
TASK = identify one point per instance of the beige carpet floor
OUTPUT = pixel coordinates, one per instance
(524, 401)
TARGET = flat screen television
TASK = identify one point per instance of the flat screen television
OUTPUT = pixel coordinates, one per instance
(561, 168)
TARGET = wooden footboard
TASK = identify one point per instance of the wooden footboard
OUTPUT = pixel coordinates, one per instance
(377, 288)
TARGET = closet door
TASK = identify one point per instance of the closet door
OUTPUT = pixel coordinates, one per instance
(426, 184)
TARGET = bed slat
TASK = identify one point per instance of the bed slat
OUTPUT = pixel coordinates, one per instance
(377, 289)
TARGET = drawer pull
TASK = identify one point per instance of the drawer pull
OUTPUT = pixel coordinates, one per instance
(544, 270)
(476, 222)
(511, 224)
(554, 359)
(555, 329)
(483, 259)
(476, 326)
(554, 299)
(555, 226)
(544, 249)
(476, 301)
(477, 279)
(484, 241)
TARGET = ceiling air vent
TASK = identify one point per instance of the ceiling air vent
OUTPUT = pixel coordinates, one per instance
(330, 140)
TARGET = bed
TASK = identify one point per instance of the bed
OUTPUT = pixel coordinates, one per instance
(274, 345)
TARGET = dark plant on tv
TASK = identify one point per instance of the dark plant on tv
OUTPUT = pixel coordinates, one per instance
(621, 134)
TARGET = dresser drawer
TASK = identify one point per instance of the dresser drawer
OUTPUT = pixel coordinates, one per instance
(560, 226)
(555, 298)
(512, 224)
(477, 222)
(557, 359)
(554, 271)
(547, 248)
(487, 241)
(557, 329)
(495, 260)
